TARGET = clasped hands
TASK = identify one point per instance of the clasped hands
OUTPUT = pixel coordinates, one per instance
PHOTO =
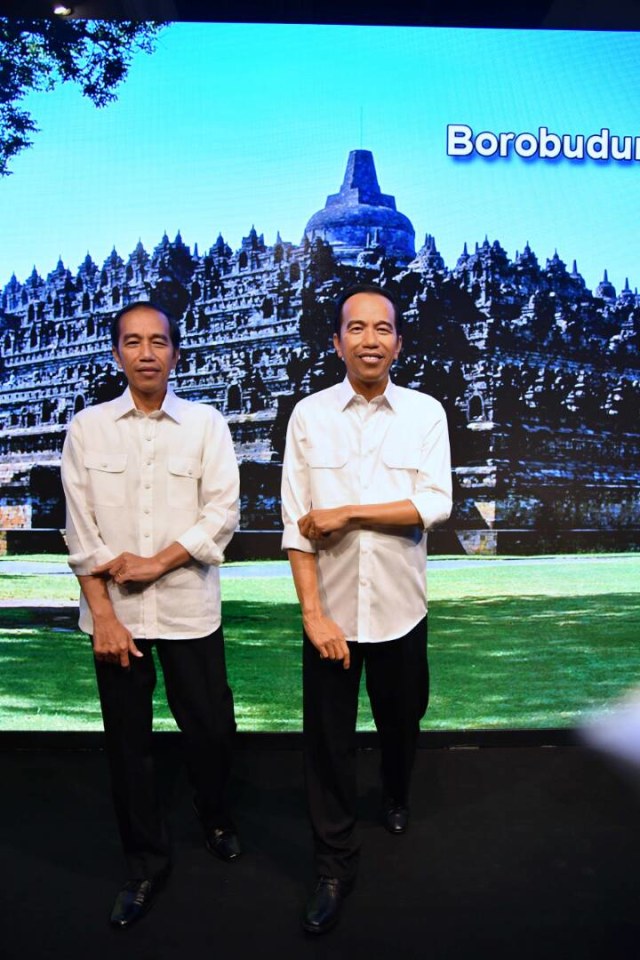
(129, 568)
(319, 524)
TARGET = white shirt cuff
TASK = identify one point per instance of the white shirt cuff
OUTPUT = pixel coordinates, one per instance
(292, 539)
(433, 507)
(82, 564)
(201, 547)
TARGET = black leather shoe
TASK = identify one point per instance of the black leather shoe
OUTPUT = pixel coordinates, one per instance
(224, 844)
(396, 818)
(134, 900)
(323, 908)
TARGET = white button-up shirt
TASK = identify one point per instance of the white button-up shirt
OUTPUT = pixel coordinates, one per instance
(140, 482)
(342, 450)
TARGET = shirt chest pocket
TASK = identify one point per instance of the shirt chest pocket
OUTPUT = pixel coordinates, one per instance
(326, 457)
(402, 461)
(107, 481)
(183, 476)
(329, 480)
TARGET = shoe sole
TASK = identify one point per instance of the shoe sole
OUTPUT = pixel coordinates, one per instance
(318, 931)
(219, 856)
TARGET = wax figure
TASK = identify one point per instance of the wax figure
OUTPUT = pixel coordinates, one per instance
(151, 483)
(366, 473)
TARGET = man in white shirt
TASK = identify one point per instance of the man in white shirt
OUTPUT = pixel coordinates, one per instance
(366, 473)
(151, 484)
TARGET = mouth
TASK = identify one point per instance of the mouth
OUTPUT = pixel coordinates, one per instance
(371, 358)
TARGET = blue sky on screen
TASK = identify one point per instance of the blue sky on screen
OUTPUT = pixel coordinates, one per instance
(227, 126)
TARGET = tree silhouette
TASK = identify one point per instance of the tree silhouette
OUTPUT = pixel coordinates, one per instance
(37, 55)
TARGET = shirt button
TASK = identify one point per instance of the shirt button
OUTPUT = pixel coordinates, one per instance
(147, 534)
(147, 486)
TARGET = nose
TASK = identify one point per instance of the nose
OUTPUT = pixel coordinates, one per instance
(146, 350)
(370, 336)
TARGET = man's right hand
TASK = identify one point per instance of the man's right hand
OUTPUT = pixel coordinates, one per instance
(112, 642)
(327, 638)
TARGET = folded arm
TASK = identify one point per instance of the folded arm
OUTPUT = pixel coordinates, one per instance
(317, 524)
(131, 568)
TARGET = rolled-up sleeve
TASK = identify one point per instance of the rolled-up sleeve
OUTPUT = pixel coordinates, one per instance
(296, 487)
(207, 539)
(86, 547)
(432, 497)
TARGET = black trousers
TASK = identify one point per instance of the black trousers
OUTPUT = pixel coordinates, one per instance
(397, 677)
(202, 704)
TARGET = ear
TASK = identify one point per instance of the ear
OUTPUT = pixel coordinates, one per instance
(398, 348)
(116, 357)
(336, 344)
(176, 357)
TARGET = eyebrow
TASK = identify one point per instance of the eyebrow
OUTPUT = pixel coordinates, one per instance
(355, 322)
(138, 336)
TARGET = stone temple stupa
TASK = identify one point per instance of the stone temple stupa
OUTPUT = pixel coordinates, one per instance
(362, 217)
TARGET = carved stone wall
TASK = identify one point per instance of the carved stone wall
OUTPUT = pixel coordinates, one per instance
(540, 377)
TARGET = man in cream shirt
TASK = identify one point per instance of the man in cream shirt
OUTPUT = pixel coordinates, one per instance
(366, 473)
(151, 484)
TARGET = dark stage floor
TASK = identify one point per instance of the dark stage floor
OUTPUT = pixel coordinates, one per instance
(519, 852)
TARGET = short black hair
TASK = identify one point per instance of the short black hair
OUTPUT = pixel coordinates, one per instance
(367, 288)
(174, 328)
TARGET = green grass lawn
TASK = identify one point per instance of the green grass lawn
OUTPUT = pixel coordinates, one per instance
(512, 645)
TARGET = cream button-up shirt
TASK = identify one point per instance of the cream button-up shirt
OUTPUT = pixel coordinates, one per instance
(342, 450)
(138, 483)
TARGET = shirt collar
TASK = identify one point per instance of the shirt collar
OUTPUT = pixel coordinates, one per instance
(346, 394)
(124, 405)
(171, 405)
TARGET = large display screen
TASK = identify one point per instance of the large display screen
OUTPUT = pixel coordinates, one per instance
(243, 175)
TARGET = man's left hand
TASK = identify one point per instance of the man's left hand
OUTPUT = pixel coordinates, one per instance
(130, 568)
(318, 524)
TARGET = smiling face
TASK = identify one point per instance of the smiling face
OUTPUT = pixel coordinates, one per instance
(368, 342)
(146, 355)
